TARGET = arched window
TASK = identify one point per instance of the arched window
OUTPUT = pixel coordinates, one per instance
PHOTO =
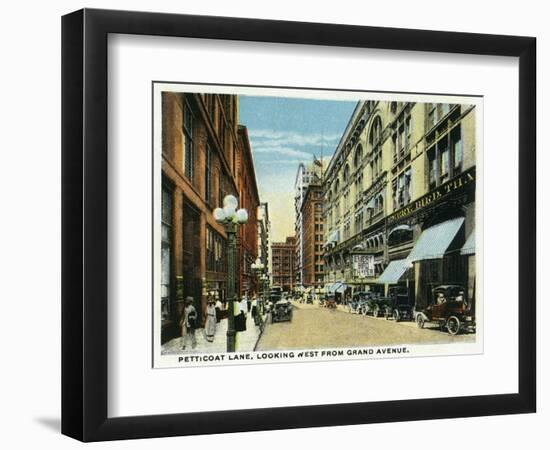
(336, 188)
(358, 156)
(375, 132)
(346, 173)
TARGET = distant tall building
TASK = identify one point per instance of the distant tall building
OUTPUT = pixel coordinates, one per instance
(264, 236)
(312, 237)
(312, 173)
(283, 263)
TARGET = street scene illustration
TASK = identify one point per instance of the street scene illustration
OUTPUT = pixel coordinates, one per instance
(304, 223)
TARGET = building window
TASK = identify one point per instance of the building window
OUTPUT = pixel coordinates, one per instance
(376, 164)
(222, 190)
(166, 252)
(375, 133)
(358, 156)
(347, 229)
(358, 187)
(401, 137)
(401, 189)
(445, 158)
(215, 251)
(432, 115)
(346, 201)
(358, 221)
(457, 151)
(211, 105)
(378, 203)
(208, 189)
(346, 174)
(189, 147)
(436, 112)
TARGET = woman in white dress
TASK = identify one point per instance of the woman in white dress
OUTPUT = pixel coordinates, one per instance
(210, 325)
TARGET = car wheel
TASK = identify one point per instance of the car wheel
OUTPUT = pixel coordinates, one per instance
(396, 315)
(453, 325)
(420, 321)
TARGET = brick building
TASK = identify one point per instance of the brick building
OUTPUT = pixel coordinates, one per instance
(306, 174)
(283, 254)
(201, 164)
(248, 199)
(313, 237)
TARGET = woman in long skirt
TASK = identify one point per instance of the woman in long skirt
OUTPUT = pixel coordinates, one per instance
(210, 325)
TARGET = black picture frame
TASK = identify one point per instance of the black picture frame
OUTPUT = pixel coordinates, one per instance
(84, 224)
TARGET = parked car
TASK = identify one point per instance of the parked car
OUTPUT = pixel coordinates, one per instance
(378, 306)
(449, 308)
(281, 311)
(275, 294)
(399, 304)
(355, 304)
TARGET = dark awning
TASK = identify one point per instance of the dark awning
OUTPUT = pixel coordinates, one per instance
(434, 241)
(395, 270)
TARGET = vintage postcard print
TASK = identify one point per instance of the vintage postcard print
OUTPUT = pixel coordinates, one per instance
(296, 225)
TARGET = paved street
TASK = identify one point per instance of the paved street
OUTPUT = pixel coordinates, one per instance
(313, 326)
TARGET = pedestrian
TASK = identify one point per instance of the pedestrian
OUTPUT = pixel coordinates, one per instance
(210, 325)
(218, 307)
(255, 312)
(188, 323)
(243, 305)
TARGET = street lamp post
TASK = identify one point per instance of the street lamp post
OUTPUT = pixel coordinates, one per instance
(230, 217)
(258, 267)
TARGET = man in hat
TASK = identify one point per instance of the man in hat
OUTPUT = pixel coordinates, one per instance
(188, 323)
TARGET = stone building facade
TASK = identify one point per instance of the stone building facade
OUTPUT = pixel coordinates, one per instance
(399, 198)
(283, 254)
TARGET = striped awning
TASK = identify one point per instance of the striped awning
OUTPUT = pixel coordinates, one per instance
(434, 241)
(395, 270)
(341, 288)
(331, 288)
(469, 247)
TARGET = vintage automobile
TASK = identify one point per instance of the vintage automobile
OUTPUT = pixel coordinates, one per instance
(275, 294)
(449, 308)
(281, 311)
(399, 307)
(358, 300)
(378, 306)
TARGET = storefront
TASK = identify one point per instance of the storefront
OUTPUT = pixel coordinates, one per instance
(432, 241)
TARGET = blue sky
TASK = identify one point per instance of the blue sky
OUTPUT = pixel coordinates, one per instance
(284, 132)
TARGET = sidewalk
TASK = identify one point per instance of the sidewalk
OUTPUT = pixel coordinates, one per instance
(245, 340)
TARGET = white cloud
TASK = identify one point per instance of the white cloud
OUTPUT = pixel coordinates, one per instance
(279, 150)
(282, 138)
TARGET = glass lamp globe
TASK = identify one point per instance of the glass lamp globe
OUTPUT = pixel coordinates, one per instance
(230, 200)
(229, 212)
(219, 215)
(242, 216)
